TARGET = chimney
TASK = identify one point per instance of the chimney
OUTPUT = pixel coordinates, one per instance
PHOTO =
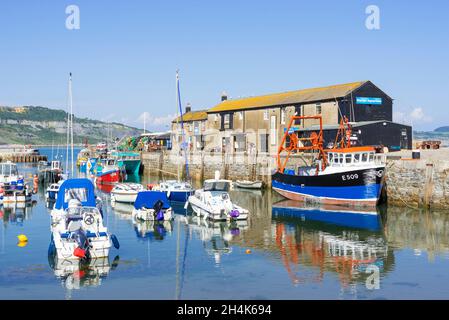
(224, 96)
(188, 107)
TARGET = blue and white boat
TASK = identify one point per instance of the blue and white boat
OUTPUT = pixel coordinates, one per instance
(152, 205)
(176, 191)
(77, 225)
(344, 175)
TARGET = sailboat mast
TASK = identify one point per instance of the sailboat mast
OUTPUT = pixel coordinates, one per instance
(71, 119)
(68, 131)
(182, 124)
(177, 114)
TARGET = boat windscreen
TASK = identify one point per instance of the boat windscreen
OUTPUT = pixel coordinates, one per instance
(216, 186)
(79, 194)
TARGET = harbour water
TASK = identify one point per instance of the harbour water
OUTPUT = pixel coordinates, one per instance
(282, 252)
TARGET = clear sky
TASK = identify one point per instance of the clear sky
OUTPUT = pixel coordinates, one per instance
(125, 54)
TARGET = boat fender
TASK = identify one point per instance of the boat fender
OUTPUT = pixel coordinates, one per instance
(80, 253)
(115, 241)
(234, 213)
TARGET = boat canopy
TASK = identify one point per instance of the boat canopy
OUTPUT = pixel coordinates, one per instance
(147, 199)
(79, 189)
(8, 169)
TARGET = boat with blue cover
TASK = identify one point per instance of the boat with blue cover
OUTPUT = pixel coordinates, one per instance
(152, 205)
(344, 175)
(77, 229)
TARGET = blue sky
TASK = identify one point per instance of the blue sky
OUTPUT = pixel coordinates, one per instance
(125, 54)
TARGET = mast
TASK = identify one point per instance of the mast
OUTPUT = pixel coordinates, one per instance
(68, 131)
(182, 125)
(71, 119)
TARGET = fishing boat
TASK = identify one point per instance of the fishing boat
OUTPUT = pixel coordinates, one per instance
(213, 202)
(246, 184)
(128, 160)
(51, 173)
(108, 172)
(126, 192)
(344, 175)
(77, 225)
(176, 191)
(152, 205)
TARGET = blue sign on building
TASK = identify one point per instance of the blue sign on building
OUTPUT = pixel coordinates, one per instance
(368, 100)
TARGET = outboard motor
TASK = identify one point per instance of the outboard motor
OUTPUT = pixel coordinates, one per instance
(83, 244)
(159, 214)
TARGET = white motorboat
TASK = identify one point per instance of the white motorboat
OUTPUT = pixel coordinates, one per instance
(77, 224)
(246, 184)
(152, 205)
(52, 191)
(9, 173)
(126, 192)
(213, 202)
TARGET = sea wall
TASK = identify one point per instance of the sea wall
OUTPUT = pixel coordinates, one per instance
(414, 183)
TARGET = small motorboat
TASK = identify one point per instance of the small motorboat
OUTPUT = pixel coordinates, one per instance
(77, 230)
(213, 202)
(126, 192)
(9, 172)
(152, 205)
(51, 193)
(176, 191)
(246, 184)
(12, 193)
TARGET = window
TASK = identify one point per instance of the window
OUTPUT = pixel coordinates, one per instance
(349, 158)
(265, 114)
(371, 157)
(357, 158)
(318, 108)
(226, 121)
(282, 115)
(364, 157)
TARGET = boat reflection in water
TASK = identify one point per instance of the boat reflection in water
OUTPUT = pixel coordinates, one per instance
(350, 243)
(151, 230)
(215, 235)
(16, 213)
(123, 210)
(77, 274)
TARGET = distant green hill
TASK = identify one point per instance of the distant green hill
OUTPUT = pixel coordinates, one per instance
(442, 129)
(40, 125)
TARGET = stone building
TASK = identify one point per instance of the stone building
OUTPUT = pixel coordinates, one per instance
(259, 123)
(194, 123)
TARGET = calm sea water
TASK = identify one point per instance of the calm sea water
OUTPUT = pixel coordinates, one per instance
(282, 252)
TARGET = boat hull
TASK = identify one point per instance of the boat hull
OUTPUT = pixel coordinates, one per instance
(256, 185)
(131, 166)
(108, 177)
(350, 188)
(179, 196)
(124, 197)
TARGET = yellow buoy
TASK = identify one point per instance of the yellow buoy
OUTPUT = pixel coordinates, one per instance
(22, 244)
(248, 251)
(22, 238)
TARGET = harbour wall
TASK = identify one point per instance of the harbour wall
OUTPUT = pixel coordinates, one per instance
(417, 183)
